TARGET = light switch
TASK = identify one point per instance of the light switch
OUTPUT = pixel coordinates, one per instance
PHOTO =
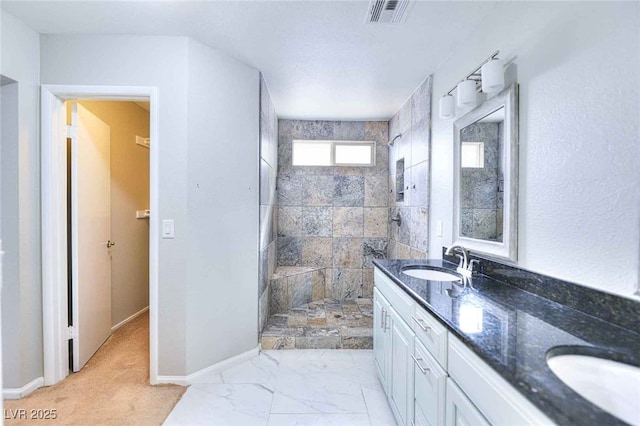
(439, 228)
(168, 229)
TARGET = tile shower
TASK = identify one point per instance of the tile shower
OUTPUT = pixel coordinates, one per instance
(268, 211)
(410, 239)
(331, 222)
(333, 218)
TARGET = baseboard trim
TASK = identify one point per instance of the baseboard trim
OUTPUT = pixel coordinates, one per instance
(17, 393)
(172, 380)
(131, 318)
(191, 378)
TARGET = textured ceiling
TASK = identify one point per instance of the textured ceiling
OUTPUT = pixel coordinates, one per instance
(319, 58)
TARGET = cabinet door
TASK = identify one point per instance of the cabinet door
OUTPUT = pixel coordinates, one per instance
(401, 368)
(499, 402)
(380, 346)
(419, 418)
(429, 387)
(460, 411)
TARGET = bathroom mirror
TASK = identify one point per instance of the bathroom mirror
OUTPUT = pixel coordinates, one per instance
(486, 177)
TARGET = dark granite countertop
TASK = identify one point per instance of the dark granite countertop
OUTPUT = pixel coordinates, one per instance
(513, 330)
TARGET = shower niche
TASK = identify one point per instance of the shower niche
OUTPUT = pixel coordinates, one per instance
(400, 180)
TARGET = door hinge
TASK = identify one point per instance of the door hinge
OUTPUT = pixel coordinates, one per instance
(72, 132)
(73, 332)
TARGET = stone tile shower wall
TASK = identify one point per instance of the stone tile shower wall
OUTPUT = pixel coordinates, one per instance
(409, 176)
(268, 199)
(334, 218)
(481, 188)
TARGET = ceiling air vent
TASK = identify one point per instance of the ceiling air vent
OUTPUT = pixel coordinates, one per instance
(387, 11)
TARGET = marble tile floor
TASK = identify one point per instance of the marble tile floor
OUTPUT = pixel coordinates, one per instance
(323, 324)
(289, 387)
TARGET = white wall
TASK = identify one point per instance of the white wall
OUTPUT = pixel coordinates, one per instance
(577, 66)
(20, 49)
(222, 274)
(9, 224)
(208, 183)
(144, 61)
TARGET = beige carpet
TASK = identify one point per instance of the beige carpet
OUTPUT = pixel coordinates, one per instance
(112, 388)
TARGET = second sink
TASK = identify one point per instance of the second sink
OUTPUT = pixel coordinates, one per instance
(612, 386)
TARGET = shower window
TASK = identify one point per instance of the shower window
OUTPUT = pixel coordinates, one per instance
(472, 155)
(333, 153)
(312, 153)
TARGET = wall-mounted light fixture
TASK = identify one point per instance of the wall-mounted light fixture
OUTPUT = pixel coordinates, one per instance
(492, 76)
(466, 94)
(487, 77)
(447, 106)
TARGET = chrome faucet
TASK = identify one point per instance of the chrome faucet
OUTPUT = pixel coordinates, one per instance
(464, 257)
(465, 268)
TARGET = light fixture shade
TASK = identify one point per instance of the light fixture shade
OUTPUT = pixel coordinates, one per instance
(493, 76)
(466, 93)
(447, 106)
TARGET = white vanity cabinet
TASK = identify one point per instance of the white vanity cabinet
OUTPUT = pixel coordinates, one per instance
(431, 333)
(429, 388)
(460, 410)
(393, 342)
(380, 345)
(498, 401)
(430, 377)
(401, 341)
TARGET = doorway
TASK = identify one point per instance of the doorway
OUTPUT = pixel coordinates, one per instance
(57, 297)
(107, 216)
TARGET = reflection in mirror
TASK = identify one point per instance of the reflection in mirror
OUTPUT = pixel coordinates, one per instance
(485, 158)
(482, 178)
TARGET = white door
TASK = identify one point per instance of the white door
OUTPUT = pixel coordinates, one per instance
(90, 233)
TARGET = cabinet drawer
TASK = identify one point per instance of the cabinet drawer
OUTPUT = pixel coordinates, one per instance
(498, 401)
(401, 302)
(431, 334)
(429, 387)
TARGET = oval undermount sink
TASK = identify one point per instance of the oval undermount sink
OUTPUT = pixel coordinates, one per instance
(430, 274)
(613, 386)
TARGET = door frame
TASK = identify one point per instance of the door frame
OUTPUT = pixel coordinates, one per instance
(54, 218)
